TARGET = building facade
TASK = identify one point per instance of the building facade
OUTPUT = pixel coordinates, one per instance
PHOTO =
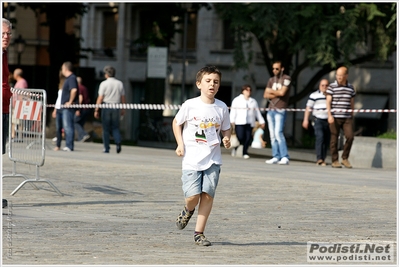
(110, 29)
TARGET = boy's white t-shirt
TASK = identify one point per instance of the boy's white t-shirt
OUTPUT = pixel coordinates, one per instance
(201, 132)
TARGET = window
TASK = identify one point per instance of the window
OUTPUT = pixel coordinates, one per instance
(228, 35)
(189, 92)
(191, 32)
(151, 31)
(110, 30)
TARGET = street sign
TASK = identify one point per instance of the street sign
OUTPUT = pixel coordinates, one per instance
(157, 60)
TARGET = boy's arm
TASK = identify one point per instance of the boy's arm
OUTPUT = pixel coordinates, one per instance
(226, 138)
(177, 132)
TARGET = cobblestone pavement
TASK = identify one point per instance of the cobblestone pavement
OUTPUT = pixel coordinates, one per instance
(120, 209)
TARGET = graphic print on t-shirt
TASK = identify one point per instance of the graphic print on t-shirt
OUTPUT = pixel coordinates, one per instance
(207, 131)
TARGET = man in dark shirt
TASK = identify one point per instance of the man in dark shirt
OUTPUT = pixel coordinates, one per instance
(69, 97)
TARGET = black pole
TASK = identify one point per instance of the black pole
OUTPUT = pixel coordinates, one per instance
(183, 81)
(294, 113)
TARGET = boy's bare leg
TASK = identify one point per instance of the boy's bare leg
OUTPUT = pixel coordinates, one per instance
(204, 210)
(192, 202)
(185, 216)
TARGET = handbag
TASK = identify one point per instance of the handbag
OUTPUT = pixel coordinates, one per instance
(234, 141)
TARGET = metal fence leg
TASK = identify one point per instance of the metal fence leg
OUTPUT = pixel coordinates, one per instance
(37, 180)
(14, 174)
(33, 180)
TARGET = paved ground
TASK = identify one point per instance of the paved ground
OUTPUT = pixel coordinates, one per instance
(121, 209)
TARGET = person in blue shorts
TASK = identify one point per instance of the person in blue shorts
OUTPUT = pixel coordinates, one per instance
(197, 127)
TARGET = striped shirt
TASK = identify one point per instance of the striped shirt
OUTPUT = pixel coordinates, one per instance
(317, 102)
(341, 99)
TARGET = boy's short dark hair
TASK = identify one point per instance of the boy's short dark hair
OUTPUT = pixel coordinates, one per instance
(207, 70)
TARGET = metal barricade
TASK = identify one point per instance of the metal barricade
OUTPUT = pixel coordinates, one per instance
(28, 118)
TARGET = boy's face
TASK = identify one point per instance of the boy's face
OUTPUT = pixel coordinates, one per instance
(209, 84)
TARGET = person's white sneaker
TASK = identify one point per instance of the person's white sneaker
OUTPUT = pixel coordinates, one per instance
(67, 149)
(233, 152)
(272, 161)
(246, 156)
(284, 161)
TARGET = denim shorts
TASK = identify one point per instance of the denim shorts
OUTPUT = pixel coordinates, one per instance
(196, 182)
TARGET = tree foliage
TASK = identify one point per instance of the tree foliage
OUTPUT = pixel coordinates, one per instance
(326, 35)
(162, 26)
(62, 46)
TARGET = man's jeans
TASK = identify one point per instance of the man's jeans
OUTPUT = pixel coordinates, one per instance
(275, 122)
(347, 126)
(322, 133)
(80, 122)
(5, 130)
(68, 121)
(110, 122)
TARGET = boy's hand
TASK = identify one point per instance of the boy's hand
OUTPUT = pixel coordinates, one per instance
(226, 142)
(180, 151)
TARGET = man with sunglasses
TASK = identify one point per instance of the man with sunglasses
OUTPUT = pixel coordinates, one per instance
(277, 94)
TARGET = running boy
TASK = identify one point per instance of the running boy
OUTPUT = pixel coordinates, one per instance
(196, 127)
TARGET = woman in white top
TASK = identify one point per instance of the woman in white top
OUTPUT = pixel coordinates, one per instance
(243, 115)
(57, 115)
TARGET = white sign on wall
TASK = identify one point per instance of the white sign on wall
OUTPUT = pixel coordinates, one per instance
(157, 59)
